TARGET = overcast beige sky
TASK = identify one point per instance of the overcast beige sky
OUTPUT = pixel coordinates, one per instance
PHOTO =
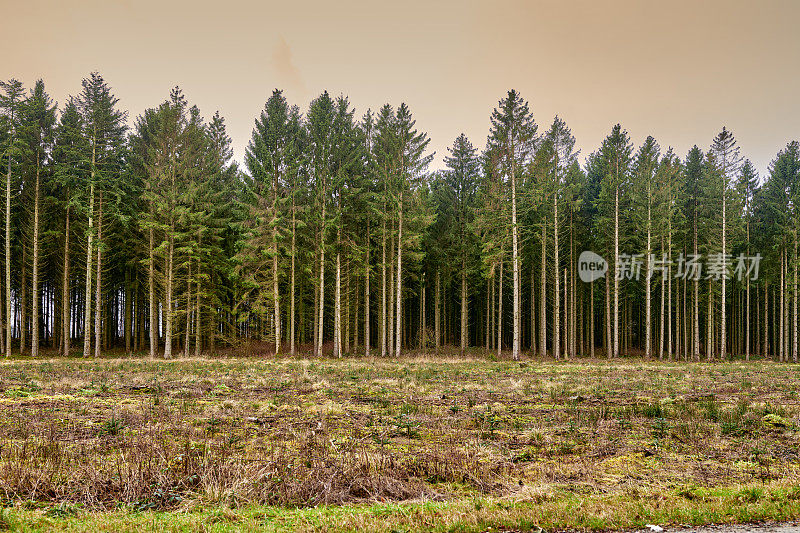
(676, 70)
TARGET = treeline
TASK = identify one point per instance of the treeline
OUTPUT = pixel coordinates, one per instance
(336, 238)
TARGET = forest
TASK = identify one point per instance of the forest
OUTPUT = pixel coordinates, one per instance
(335, 237)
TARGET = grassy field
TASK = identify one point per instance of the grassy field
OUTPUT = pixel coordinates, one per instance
(421, 444)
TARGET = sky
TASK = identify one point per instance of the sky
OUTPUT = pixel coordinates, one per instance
(678, 70)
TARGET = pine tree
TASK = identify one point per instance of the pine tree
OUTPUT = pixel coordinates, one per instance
(271, 158)
(513, 138)
(104, 128)
(11, 101)
(616, 156)
(69, 176)
(644, 189)
(461, 182)
(726, 153)
(37, 134)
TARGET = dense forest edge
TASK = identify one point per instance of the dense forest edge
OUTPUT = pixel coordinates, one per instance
(334, 237)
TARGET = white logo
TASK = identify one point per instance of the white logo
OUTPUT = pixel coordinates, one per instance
(591, 266)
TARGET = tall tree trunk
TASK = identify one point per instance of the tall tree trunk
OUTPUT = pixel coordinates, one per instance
(543, 295)
(337, 306)
(398, 336)
(463, 305)
(366, 298)
(98, 299)
(321, 312)
(533, 310)
(591, 320)
(437, 312)
(609, 336)
(782, 341)
(65, 292)
(515, 346)
(723, 310)
(292, 347)
(346, 335)
(276, 300)
(766, 321)
(128, 310)
(87, 317)
(616, 272)
(169, 272)
(8, 252)
(567, 317)
(188, 332)
(35, 273)
(383, 293)
(488, 313)
(662, 313)
(392, 287)
(696, 349)
(648, 340)
(198, 318)
(669, 294)
(23, 304)
(794, 303)
(151, 289)
(556, 289)
(500, 310)
(709, 336)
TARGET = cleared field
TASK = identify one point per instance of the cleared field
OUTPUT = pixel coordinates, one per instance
(423, 444)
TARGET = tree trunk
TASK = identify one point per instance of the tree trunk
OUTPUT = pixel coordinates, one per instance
(567, 317)
(543, 295)
(669, 294)
(35, 273)
(8, 253)
(533, 310)
(383, 331)
(168, 299)
(188, 332)
(500, 310)
(794, 306)
(648, 341)
(87, 317)
(515, 265)
(591, 320)
(321, 312)
(198, 322)
(616, 272)
(337, 306)
(65, 292)
(346, 336)
(128, 310)
(608, 337)
(98, 301)
(464, 306)
(782, 338)
(437, 312)
(151, 289)
(723, 311)
(292, 347)
(366, 299)
(398, 336)
(488, 313)
(557, 290)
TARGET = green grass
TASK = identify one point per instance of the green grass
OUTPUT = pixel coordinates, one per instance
(546, 509)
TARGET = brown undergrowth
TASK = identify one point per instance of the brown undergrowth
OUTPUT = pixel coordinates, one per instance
(150, 435)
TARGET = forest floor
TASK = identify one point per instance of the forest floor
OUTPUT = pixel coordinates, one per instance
(421, 444)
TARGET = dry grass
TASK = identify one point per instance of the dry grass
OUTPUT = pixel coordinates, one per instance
(239, 433)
